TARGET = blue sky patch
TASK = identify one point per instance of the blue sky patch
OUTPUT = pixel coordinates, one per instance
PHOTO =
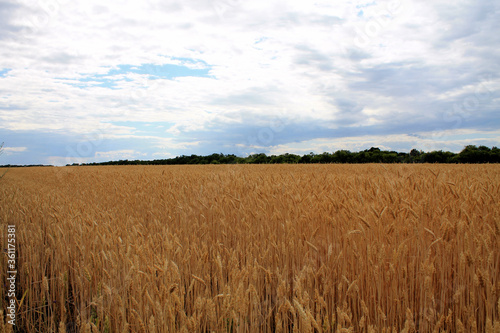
(99, 81)
(157, 128)
(167, 71)
(373, 3)
(154, 72)
(3, 72)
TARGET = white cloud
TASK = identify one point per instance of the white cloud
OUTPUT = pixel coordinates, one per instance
(13, 150)
(401, 62)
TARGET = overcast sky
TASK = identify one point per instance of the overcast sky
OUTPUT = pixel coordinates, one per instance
(84, 81)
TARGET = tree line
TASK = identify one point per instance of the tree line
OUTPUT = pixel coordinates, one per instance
(470, 154)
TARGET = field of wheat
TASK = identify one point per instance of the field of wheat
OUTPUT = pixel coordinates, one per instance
(255, 248)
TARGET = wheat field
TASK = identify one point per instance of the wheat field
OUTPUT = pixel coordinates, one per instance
(255, 248)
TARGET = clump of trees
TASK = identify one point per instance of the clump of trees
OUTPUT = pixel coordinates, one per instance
(470, 154)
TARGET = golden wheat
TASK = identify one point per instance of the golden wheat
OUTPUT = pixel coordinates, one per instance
(261, 248)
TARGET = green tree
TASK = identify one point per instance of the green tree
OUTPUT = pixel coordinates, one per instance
(307, 158)
(415, 155)
(495, 155)
(438, 157)
(473, 154)
(260, 158)
(343, 156)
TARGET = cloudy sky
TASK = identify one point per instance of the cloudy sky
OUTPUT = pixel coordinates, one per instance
(84, 81)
